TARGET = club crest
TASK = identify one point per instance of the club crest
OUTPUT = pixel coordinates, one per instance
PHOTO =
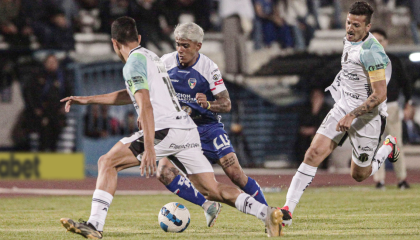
(192, 82)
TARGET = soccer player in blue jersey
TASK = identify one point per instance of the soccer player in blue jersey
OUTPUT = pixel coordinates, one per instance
(201, 92)
(165, 130)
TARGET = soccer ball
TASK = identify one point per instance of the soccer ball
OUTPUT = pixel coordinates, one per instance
(174, 217)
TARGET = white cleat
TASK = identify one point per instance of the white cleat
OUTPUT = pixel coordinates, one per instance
(212, 213)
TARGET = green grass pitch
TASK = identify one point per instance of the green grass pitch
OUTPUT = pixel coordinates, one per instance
(323, 213)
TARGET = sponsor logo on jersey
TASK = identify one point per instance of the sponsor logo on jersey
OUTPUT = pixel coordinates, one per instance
(376, 67)
(192, 82)
(353, 95)
(350, 76)
(138, 79)
(188, 145)
(182, 97)
(174, 80)
(214, 71)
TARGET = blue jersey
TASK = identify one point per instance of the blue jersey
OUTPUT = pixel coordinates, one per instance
(202, 77)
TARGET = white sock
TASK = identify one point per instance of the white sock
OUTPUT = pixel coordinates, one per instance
(100, 204)
(303, 177)
(380, 158)
(247, 204)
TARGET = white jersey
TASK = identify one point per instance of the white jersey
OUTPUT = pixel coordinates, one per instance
(351, 86)
(145, 70)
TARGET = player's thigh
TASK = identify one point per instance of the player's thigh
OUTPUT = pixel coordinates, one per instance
(365, 137)
(120, 157)
(215, 143)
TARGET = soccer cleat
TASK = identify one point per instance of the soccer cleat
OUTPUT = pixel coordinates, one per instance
(212, 213)
(85, 229)
(273, 222)
(403, 185)
(380, 186)
(287, 216)
(395, 153)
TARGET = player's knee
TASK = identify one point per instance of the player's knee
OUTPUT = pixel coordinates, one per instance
(166, 175)
(314, 155)
(104, 162)
(359, 177)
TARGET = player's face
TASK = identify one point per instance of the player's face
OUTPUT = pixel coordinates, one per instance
(187, 51)
(381, 39)
(356, 28)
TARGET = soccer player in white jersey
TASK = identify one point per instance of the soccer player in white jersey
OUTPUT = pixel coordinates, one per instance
(166, 130)
(359, 113)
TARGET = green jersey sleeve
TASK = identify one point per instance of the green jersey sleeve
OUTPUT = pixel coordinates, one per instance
(373, 56)
(135, 72)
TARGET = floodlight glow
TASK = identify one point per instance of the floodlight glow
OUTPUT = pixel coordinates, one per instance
(415, 57)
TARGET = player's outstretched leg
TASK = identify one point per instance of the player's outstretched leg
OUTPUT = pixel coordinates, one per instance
(213, 190)
(118, 158)
(170, 176)
(320, 148)
(233, 170)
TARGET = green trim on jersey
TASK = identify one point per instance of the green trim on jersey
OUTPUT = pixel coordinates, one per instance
(135, 72)
(373, 56)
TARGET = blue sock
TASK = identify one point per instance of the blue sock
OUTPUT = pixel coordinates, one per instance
(252, 188)
(182, 187)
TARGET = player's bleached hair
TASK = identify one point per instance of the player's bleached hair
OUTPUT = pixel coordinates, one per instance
(189, 31)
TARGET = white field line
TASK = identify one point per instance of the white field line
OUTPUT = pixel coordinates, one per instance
(68, 192)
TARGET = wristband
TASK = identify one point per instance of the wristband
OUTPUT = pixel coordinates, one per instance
(208, 105)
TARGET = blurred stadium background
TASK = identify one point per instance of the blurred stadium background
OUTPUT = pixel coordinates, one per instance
(50, 49)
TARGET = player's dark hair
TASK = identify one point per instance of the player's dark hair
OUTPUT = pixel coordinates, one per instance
(124, 30)
(379, 31)
(362, 8)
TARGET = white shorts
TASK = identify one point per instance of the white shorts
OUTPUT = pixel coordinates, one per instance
(184, 144)
(365, 134)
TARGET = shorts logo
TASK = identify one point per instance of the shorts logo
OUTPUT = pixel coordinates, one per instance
(366, 149)
(386, 141)
(192, 82)
(376, 67)
(216, 77)
(363, 157)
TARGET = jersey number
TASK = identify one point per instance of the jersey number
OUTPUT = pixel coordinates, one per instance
(225, 141)
(171, 90)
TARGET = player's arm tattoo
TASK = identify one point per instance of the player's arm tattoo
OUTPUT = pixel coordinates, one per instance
(168, 174)
(222, 103)
(367, 106)
(228, 162)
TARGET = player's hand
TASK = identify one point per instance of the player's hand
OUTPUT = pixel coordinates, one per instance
(201, 99)
(148, 162)
(74, 100)
(344, 124)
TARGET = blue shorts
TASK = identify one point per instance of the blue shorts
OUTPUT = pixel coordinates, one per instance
(215, 142)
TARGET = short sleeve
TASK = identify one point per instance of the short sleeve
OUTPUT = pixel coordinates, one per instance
(215, 80)
(373, 56)
(135, 72)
